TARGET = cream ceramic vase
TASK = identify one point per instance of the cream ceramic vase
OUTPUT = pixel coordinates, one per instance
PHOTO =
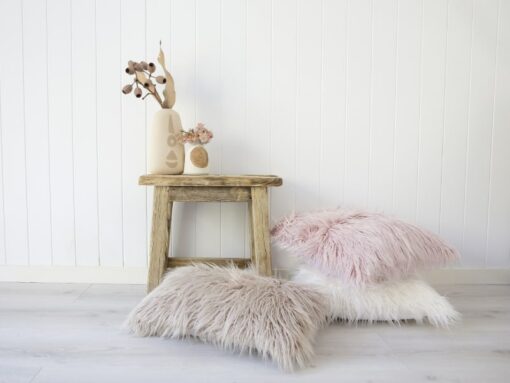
(196, 159)
(165, 154)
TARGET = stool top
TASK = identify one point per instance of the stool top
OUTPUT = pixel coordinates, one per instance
(215, 180)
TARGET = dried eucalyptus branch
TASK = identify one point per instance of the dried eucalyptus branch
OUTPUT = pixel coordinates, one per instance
(143, 73)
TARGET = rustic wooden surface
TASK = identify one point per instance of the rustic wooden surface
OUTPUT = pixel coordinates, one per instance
(178, 262)
(210, 180)
(208, 194)
(160, 235)
(209, 188)
(259, 212)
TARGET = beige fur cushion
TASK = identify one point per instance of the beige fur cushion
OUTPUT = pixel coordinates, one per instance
(234, 309)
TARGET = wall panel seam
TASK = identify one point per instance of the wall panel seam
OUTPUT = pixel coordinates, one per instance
(296, 97)
(24, 125)
(370, 107)
(321, 106)
(2, 185)
(97, 141)
(121, 73)
(48, 133)
(489, 200)
(420, 99)
(72, 128)
(441, 189)
(395, 107)
(468, 126)
(346, 104)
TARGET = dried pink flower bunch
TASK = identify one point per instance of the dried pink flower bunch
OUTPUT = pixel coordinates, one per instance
(198, 135)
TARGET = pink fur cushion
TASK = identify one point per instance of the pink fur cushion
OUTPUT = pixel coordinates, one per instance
(360, 247)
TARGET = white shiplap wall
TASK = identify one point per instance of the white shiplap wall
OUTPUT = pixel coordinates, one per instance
(401, 106)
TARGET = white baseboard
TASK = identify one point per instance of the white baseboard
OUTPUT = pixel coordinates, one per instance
(468, 276)
(138, 275)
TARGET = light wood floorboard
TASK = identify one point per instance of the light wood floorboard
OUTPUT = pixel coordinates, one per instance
(71, 333)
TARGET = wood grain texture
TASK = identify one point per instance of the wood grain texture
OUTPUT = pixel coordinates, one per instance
(210, 180)
(208, 194)
(160, 235)
(164, 196)
(251, 237)
(261, 250)
(179, 262)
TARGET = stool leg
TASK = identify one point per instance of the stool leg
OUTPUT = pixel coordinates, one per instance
(160, 235)
(259, 212)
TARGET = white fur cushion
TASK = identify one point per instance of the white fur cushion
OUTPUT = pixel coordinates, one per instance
(234, 309)
(391, 301)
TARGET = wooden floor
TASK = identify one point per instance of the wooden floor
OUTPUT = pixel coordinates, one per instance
(70, 334)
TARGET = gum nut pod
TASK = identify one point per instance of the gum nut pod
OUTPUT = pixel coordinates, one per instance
(138, 67)
(131, 67)
(152, 68)
(138, 93)
(161, 79)
(127, 89)
(144, 65)
(148, 83)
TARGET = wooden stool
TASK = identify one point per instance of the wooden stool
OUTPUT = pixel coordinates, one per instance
(208, 188)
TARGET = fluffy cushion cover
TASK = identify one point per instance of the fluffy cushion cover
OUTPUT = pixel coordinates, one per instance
(234, 309)
(388, 301)
(360, 247)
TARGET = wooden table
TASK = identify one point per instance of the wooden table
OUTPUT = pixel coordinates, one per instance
(208, 188)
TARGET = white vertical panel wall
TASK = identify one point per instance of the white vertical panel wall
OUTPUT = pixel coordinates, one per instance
(401, 106)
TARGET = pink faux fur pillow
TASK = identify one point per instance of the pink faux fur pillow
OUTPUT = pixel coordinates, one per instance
(360, 247)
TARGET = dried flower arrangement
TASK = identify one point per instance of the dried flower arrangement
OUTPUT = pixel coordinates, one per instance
(198, 135)
(143, 73)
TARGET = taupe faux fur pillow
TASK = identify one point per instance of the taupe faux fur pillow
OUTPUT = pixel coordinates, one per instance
(234, 309)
